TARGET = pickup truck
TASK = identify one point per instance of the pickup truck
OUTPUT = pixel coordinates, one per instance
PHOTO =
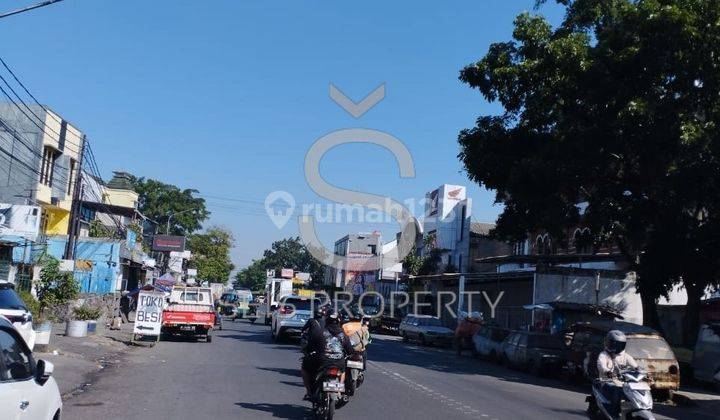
(190, 312)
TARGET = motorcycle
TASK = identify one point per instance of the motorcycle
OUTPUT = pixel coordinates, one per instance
(329, 390)
(356, 373)
(636, 399)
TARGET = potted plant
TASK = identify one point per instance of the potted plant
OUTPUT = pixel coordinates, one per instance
(54, 290)
(84, 321)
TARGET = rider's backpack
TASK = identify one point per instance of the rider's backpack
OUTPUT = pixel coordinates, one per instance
(333, 345)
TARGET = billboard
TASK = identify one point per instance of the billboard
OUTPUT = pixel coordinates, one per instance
(168, 243)
(21, 221)
(433, 204)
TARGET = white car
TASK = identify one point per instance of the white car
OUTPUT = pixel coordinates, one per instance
(15, 310)
(27, 389)
(292, 314)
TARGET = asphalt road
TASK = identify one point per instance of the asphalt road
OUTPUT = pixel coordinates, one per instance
(242, 374)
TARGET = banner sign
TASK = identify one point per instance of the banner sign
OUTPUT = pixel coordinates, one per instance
(167, 243)
(148, 318)
(21, 221)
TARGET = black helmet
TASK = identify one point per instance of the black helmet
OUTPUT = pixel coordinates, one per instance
(320, 311)
(615, 342)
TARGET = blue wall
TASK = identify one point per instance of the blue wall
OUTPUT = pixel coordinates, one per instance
(105, 255)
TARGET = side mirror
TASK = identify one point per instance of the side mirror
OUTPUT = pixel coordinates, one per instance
(43, 371)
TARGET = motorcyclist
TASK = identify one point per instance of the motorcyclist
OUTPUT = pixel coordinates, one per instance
(357, 329)
(610, 363)
(309, 340)
(326, 347)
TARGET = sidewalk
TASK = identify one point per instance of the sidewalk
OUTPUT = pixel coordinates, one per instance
(76, 359)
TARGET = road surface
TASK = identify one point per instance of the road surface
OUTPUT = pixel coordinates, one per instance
(242, 374)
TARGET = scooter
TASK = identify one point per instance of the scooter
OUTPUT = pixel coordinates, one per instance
(636, 399)
(329, 389)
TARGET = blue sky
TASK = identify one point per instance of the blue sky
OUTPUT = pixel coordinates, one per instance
(227, 96)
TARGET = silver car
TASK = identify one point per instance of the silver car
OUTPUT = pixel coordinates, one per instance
(425, 329)
(291, 315)
(488, 341)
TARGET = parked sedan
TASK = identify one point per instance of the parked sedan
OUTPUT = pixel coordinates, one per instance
(488, 341)
(536, 352)
(15, 310)
(425, 329)
(27, 389)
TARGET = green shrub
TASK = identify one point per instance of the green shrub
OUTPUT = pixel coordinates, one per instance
(32, 304)
(87, 313)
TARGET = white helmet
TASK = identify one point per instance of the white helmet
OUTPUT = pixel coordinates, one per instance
(615, 342)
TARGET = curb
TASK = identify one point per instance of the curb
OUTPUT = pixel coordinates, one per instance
(683, 400)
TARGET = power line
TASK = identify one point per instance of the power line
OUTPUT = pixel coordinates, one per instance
(28, 8)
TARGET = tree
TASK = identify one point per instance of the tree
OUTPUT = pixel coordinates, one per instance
(253, 276)
(292, 253)
(211, 254)
(54, 289)
(162, 202)
(617, 107)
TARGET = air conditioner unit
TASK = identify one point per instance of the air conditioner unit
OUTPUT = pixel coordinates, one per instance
(54, 201)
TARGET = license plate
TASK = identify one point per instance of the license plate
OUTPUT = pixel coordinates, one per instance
(333, 386)
(352, 364)
(187, 328)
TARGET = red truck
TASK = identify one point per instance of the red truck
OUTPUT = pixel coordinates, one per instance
(191, 313)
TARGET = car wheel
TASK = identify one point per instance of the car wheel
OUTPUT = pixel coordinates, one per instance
(535, 369)
(208, 338)
(493, 356)
(423, 341)
(404, 336)
(267, 321)
(505, 361)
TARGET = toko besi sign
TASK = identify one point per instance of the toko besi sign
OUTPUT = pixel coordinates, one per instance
(148, 318)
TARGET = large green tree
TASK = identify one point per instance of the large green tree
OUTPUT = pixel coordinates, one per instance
(253, 276)
(292, 253)
(211, 254)
(163, 202)
(617, 107)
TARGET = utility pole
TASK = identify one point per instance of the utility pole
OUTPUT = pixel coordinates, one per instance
(74, 228)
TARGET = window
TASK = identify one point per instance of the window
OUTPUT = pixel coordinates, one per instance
(462, 223)
(583, 241)
(373, 249)
(707, 335)
(17, 365)
(71, 177)
(47, 171)
(459, 267)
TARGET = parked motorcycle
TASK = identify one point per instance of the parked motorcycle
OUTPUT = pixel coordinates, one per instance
(329, 389)
(636, 399)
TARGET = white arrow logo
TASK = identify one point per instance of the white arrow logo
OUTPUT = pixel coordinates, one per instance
(358, 109)
(279, 205)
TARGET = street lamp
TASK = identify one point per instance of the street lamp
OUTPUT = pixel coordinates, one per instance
(171, 215)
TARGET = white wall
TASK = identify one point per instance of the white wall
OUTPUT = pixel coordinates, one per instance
(617, 293)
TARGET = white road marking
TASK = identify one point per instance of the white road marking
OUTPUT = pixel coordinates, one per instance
(447, 401)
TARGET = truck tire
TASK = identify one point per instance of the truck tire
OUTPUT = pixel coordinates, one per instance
(208, 338)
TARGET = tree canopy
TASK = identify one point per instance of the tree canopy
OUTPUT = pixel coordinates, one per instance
(162, 202)
(617, 107)
(285, 253)
(211, 254)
